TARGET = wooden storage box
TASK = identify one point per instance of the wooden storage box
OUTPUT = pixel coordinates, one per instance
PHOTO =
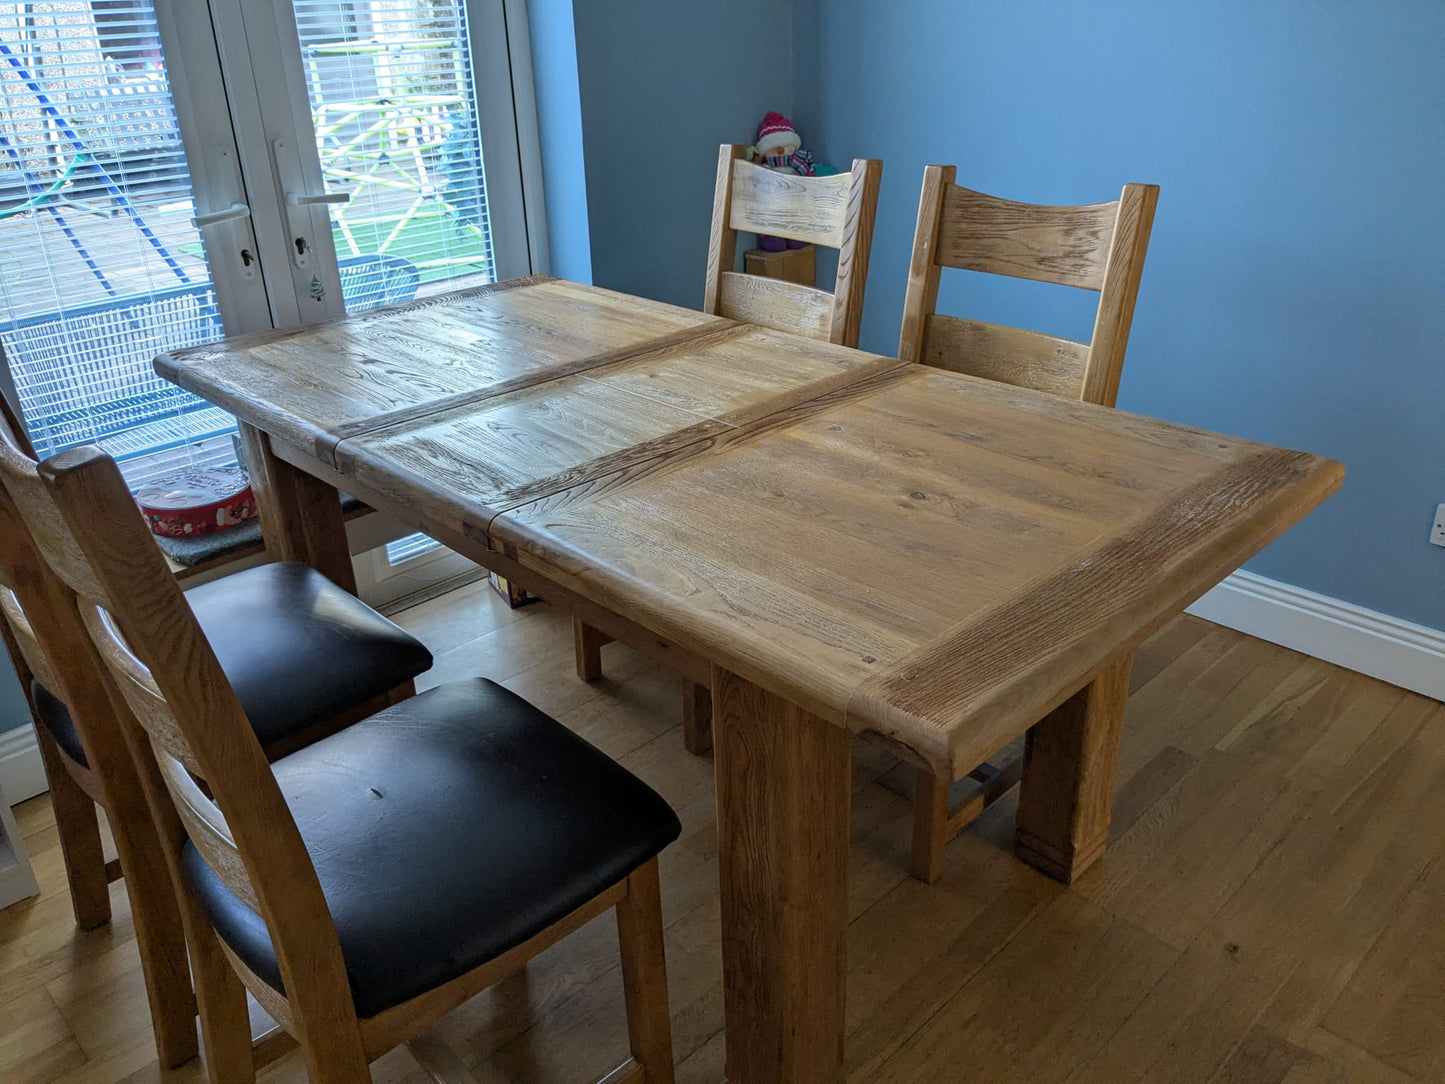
(798, 265)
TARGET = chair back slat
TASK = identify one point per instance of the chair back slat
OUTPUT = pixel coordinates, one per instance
(808, 209)
(30, 647)
(175, 760)
(780, 305)
(1096, 247)
(1066, 245)
(835, 211)
(134, 681)
(1012, 355)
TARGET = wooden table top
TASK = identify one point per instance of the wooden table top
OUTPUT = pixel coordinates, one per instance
(901, 550)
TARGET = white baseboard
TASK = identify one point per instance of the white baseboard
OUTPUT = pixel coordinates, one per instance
(22, 775)
(1400, 652)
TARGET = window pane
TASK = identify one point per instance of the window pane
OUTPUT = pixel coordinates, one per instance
(100, 267)
(409, 547)
(390, 84)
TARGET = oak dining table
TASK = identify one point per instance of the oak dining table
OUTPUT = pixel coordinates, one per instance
(838, 543)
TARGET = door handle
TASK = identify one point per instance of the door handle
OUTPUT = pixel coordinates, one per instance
(233, 213)
(298, 199)
(215, 218)
(290, 176)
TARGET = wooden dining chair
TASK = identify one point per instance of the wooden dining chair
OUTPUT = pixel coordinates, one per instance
(306, 657)
(366, 885)
(42, 627)
(1098, 247)
(836, 211)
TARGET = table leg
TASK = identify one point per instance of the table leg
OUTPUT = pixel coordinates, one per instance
(696, 718)
(300, 514)
(783, 791)
(587, 649)
(1070, 758)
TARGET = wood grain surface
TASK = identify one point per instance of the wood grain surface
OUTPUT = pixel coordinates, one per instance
(940, 561)
(1099, 247)
(998, 236)
(318, 383)
(813, 210)
(782, 798)
(481, 458)
(801, 310)
(931, 557)
(852, 542)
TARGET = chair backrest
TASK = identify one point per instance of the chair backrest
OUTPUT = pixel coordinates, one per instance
(835, 211)
(38, 607)
(1098, 247)
(42, 619)
(162, 666)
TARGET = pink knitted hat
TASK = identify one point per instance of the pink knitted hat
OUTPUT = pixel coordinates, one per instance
(777, 130)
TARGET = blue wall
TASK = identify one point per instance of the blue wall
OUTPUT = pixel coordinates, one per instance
(662, 83)
(559, 124)
(14, 711)
(1295, 286)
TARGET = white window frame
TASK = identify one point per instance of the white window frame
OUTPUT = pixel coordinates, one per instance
(210, 138)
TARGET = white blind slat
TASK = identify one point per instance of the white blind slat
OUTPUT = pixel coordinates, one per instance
(391, 92)
(104, 271)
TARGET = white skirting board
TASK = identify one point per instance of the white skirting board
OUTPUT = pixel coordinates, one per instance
(17, 879)
(22, 775)
(1401, 652)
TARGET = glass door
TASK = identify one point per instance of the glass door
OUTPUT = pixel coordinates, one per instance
(103, 232)
(176, 170)
(391, 131)
(394, 110)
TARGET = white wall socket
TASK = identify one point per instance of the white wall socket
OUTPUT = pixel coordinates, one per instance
(1437, 532)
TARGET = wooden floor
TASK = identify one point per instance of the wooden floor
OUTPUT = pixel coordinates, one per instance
(1272, 906)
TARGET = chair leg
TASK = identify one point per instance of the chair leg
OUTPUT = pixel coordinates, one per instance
(696, 718)
(587, 647)
(644, 974)
(934, 824)
(79, 830)
(221, 1000)
(160, 938)
(930, 826)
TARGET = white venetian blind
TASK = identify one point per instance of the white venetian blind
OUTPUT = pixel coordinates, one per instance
(100, 267)
(393, 101)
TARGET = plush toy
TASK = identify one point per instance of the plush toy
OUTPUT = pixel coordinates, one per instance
(779, 147)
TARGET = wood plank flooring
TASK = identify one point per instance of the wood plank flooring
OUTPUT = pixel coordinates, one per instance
(1271, 909)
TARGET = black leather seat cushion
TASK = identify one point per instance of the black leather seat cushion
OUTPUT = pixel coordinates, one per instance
(296, 648)
(56, 719)
(444, 831)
